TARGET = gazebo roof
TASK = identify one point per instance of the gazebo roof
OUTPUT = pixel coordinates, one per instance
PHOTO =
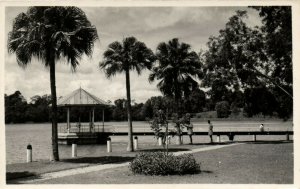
(81, 97)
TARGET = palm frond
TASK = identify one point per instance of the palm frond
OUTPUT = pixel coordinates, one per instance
(63, 31)
(177, 65)
(131, 54)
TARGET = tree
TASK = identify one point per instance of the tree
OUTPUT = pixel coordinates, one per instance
(119, 111)
(277, 26)
(245, 57)
(177, 70)
(48, 34)
(15, 108)
(223, 109)
(38, 110)
(195, 102)
(259, 100)
(131, 54)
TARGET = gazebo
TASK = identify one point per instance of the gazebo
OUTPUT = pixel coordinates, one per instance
(82, 98)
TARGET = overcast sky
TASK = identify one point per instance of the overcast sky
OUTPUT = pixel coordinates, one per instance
(192, 25)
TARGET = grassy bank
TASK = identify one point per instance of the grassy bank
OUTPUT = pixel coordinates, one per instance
(267, 162)
(259, 163)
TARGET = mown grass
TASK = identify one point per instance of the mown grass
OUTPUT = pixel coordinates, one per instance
(251, 163)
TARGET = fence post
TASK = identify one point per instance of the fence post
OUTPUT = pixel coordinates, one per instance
(287, 136)
(74, 150)
(178, 140)
(109, 149)
(135, 142)
(29, 153)
(254, 137)
(159, 141)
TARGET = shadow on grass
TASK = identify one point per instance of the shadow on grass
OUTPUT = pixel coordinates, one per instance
(269, 142)
(99, 160)
(11, 176)
(214, 143)
(163, 150)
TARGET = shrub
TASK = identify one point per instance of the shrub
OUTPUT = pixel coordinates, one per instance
(160, 163)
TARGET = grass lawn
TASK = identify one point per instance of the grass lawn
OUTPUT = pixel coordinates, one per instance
(264, 162)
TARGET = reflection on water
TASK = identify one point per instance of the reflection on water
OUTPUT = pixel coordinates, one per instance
(39, 136)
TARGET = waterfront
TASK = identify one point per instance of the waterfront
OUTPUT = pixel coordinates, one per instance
(39, 136)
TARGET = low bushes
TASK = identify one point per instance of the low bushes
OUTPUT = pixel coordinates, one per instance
(159, 163)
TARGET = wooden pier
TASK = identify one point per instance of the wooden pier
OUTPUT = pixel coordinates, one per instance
(99, 134)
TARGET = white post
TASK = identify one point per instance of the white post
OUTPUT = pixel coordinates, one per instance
(178, 139)
(29, 153)
(254, 137)
(109, 145)
(135, 143)
(74, 150)
(219, 138)
(159, 141)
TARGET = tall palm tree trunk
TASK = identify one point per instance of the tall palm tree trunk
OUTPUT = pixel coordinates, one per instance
(130, 142)
(55, 155)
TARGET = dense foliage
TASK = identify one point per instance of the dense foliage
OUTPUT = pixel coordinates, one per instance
(159, 163)
(223, 109)
(37, 110)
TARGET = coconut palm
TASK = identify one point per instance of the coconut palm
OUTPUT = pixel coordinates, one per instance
(49, 34)
(131, 54)
(177, 70)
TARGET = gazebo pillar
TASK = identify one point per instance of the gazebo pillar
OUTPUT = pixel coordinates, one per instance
(103, 120)
(68, 119)
(90, 120)
(93, 118)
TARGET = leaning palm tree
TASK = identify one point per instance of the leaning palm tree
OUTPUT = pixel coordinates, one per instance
(131, 54)
(48, 34)
(177, 70)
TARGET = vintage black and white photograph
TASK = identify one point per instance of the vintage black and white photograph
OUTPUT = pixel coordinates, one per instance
(148, 94)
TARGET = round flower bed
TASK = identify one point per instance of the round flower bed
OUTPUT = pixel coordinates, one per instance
(161, 163)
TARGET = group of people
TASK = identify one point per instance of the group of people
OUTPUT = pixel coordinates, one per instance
(189, 127)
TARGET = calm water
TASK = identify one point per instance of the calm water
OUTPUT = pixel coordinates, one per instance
(39, 136)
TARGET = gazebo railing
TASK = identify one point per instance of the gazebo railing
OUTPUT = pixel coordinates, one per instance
(85, 129)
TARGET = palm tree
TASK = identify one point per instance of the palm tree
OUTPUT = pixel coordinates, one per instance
(177, 70)
(48, 34)
(131, 54)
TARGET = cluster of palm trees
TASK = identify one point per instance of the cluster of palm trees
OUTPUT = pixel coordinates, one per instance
(176, 72)
(51, 33)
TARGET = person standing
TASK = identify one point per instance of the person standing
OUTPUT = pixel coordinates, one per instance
(210, 131)
(189, 127)
(261, 128)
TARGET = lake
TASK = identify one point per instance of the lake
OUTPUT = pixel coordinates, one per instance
(39, 136)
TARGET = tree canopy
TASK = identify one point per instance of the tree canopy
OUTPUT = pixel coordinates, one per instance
(177, 69)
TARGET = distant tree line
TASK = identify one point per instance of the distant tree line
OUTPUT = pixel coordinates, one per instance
(18, 110)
